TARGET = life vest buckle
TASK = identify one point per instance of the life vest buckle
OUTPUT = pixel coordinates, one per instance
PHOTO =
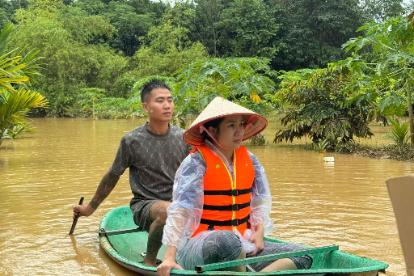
(234, 192)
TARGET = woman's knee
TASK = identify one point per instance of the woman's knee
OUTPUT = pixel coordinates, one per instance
(221, 246)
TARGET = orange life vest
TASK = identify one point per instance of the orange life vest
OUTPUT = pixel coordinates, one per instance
(226, 200)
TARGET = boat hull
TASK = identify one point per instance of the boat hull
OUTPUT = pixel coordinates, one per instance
(121, 240)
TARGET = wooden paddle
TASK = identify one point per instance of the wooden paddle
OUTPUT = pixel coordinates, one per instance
(75, 219)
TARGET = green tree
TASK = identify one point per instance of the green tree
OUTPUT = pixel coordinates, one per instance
(8, 8)
(92, 7)
(182, 16)
(385, 51)
(155, 8)
(16, 99)
(207, 18)
(131, 18)
(237, 28)
(130, 26)
(84, 28)
(243, 80)
(167, 48)
(62, 34)
(320, 104)
(4, 12)
(379, 10)
(247, 28)
(312, 31)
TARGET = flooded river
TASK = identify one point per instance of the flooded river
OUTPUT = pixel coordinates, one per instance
(43, 175)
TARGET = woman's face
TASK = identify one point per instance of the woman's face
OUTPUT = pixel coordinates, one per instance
(230, 132)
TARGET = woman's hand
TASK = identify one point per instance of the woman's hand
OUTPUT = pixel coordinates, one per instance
(165, 267)
(257, 238)
(169, 262)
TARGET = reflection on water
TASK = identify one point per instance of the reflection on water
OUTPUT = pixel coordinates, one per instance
(43, 176)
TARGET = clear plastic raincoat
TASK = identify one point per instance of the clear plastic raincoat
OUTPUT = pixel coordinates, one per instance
(185, 211)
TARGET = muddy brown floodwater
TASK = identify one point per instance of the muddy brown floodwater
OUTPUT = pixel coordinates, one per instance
(44, 174)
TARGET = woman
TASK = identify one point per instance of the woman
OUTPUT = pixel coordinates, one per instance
(221, 198)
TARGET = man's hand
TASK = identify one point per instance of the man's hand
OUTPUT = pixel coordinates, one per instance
(105, 187)
(165, 267)
(257, 238)
(82, 210)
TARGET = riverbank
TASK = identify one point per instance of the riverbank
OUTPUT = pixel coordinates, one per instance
(378, 146)
(395, 152)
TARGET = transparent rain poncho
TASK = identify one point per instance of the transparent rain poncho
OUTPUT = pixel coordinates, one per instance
(184, 213)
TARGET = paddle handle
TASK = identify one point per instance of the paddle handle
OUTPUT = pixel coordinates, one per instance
(75, 219)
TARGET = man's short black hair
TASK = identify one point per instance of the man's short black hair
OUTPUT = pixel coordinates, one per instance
(151, 85)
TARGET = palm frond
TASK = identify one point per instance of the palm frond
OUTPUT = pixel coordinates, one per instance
(15, 105)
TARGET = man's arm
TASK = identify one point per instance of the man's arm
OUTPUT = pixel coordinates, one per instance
(107, 184)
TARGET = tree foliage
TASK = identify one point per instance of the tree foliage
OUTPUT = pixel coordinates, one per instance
(71, 62)
(334, 104)
(380, 10)
(248, 28)
(110, 45)
(243, 80)
(399, 132)
(385, 52)
(313, 32)
(167, 49)
(16, 99)
(319, 104)
(129, 24)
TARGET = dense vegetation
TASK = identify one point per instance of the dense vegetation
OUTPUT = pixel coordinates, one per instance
(16, 97)
(309, 60)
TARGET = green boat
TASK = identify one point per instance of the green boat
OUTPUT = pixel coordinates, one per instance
(125, 243)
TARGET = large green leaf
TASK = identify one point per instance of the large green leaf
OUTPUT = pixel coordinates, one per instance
(15, 105)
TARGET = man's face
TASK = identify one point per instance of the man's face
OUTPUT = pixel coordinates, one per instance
(159, 105)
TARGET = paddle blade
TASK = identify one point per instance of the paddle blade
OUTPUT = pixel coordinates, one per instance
(401, 191)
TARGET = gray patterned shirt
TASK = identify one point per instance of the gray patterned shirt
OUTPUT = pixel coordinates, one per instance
(152, 161)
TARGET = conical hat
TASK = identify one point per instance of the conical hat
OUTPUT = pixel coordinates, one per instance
(218, 108)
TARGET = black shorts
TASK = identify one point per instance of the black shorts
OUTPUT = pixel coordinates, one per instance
(142, 213)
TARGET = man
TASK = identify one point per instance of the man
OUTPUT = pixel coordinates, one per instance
(152, 152)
